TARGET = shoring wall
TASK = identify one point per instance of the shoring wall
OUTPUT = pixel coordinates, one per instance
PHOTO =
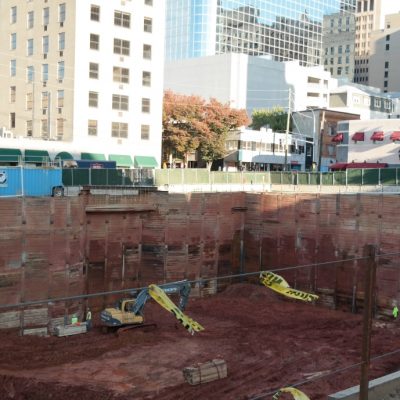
(55, 247)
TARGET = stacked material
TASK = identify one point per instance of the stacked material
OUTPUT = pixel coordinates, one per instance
(206, 372)
(73, 329)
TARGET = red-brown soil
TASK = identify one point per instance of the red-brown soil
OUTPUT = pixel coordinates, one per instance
(268, 342)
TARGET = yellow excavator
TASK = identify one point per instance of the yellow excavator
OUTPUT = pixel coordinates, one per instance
(128, 313)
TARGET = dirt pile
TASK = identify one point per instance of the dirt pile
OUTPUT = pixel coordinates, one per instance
(268, 342)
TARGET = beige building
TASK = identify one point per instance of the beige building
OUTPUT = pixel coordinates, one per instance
(83, 72)
(384, 69)
(370, 16)
(338, 44)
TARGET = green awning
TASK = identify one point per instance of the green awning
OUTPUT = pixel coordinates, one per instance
(37, 156)
(64, 155)
(145, 162)
(93, 157)
(122, 160)
(10, 155)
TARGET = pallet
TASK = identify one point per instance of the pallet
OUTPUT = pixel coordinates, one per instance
(206, 372)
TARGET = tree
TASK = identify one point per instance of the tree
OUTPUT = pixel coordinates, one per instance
(275, 117)
(190, 124)
(183, 124)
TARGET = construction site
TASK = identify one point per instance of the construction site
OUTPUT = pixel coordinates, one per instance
(63, 256)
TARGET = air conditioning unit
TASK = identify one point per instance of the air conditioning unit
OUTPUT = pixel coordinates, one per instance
(45, 27)
(60, 110)
(60, 81)
(120, 114)
(121, 59)
(44, 111)
(121, 86)
(44, 83)
(45, 55)
(119, 141)
(61, 24)
(122, 2)
(61, 54)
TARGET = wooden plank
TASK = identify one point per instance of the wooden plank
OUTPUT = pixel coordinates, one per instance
(205, 372)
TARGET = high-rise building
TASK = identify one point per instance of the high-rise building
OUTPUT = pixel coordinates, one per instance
(84, 72)
(338, 44)
(370, 16)
(288, 30)
(384, 61)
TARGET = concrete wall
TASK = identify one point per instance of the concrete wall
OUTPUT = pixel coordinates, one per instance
(54, 247)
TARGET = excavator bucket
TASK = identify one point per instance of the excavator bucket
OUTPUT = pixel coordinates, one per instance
(161, 298)
(296, 393)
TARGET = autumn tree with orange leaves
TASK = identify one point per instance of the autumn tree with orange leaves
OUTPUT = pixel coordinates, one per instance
(192, 124)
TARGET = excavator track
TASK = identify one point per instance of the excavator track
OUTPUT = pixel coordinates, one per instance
(146, 327)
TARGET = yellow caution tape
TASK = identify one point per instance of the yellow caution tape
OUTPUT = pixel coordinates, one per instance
(297, 394)
(161, 298)
(278, 284)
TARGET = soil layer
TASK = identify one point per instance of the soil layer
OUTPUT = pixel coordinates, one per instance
(268, 342)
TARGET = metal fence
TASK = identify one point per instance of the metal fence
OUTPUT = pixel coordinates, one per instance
(387, 176)
(107, 177)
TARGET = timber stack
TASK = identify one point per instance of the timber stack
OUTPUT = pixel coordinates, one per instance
(205, 372)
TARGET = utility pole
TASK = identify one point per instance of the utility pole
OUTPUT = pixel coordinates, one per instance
(369, 297)
(287, 131)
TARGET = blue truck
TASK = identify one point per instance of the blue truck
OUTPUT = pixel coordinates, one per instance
(20, 181)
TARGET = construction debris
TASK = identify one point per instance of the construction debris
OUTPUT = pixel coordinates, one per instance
(73, 329)
(206, 372)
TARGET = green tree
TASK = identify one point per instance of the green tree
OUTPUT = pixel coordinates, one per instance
(190, 124)
(275, 117)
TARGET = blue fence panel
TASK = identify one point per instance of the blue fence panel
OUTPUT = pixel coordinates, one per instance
(36, 182)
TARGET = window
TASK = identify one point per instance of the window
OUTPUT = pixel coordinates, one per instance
(120, 102)
(122, 19)
(46, 16)
(332, 50)
(61, 41)
(13, 67)
(29, 47)
(94, 41)
(61, 12)
(45, 44)
(29, 101)
(61, 70)
(43, 127)
(386, 74)
(340, 49)
(13, 15)
(45, 72)
(92, 127)
(387, 47)
(146, 78)
(94, 13)
(13, 41)
(119, 129)
(94, 70)
(148, 2)
(387, 38)
(30, 20)
(339, 71)
(146, 105)
(371, 5)
(93, 99)
(121, 47)
(347, 48)
(147, 51)
(13, 92)
(60, 127)
(60, 98)
(121, 74)
(12, 120)
(45, 99)
(29, 73)
(148, 25)
(29, 128)
(385, 84)
(145, 132)
(386, 64)
(339, 60)
(377, 103)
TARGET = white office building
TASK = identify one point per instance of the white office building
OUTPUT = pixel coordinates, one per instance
(83, 73)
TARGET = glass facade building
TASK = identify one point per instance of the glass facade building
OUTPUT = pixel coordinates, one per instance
(286, 29)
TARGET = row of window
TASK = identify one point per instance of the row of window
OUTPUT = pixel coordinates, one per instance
(121, 46)
(340, 50)
(339, 60)
(120, 74)
(30, 18)
(118, 129)
(45, 43)
(30, 71)
(119, 102)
